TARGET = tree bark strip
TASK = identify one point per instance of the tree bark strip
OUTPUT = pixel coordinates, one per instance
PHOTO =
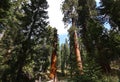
(54, 58)
(77, 53)
(53, 65)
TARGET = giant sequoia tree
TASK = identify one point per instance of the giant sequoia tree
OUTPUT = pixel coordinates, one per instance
(53, 69)
(92, 33)
(27, 43)
(70, 15)
(97, 39)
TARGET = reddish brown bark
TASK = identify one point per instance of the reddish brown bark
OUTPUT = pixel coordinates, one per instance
(54, 58)
(53, 65)
(77, 53)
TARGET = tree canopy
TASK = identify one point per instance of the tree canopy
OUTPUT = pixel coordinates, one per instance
(30, 50)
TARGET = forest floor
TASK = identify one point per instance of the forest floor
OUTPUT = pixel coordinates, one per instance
(114, 76)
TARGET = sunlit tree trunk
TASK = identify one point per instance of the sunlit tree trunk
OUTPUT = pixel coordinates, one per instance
(77, 49)
(54, 59)
(53, 65)
(77, 53)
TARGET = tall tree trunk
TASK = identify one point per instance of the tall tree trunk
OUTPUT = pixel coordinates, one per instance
(54, 58)
(77, 49)
(77, 53)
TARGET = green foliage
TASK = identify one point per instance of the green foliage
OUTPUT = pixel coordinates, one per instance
(109, 78)
(69, 9)
(92, 71)
(27, 41)
(65, 53)
(24, 46)
(112, 9)
(97, 40)
(4, 10)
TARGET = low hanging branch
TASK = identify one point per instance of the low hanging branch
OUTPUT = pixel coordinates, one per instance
(54, 57)
(77, 53)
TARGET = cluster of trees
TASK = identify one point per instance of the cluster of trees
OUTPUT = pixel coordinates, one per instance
(28, 44)
(26, 40)
(99, 44)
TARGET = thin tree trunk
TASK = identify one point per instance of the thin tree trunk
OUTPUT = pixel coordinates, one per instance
(2, 34)
(77, 53)
(105, 67)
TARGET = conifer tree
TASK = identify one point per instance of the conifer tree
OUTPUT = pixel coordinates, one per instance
(65, 53)
(31, 31)
(108, 14)
(53, 69)
(70, 15)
